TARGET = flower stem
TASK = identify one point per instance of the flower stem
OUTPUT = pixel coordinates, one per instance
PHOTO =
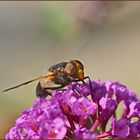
(68, 115)
(105, 134)
(97, 122)
(95, 125)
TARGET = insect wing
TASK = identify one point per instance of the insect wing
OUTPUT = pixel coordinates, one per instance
(27, 82)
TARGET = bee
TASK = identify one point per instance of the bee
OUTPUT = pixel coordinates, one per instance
(60, 75)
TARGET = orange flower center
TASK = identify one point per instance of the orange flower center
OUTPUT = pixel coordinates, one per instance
(34, 127)
(53, 134)
(84, 110)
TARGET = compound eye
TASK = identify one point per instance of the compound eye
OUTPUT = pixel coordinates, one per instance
(57, 67)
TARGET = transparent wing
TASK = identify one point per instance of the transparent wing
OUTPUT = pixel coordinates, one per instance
(27, 82)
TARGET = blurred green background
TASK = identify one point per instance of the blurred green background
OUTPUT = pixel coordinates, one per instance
(105, 36)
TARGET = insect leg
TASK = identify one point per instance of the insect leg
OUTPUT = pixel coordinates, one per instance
(74, 88)
(87, 77)
(55, 88)
(40, 92)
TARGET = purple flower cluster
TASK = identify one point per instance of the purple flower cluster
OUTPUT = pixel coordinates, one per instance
(82, 111)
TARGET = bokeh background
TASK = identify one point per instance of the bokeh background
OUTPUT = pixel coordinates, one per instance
(105, 36)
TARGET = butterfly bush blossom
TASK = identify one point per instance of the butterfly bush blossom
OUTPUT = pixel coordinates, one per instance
(82, 111)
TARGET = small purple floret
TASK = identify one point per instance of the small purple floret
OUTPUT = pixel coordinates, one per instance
(108, 104)
(121, 92)
(84, 133)
(134, 129)
(54, 129)
(83, 107)
(134, 110)
(121, 128)
(99, 91)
